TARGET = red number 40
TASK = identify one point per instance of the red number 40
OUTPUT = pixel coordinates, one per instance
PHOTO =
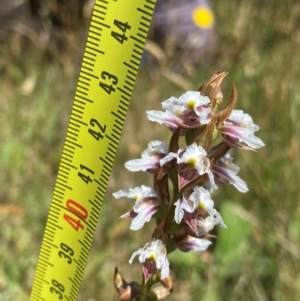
(79, 211)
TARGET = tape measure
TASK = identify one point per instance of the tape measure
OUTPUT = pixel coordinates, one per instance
(112, 55)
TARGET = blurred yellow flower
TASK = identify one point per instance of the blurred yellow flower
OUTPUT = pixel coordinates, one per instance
(203, 17)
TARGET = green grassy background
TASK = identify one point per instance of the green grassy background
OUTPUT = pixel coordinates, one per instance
(257, 257)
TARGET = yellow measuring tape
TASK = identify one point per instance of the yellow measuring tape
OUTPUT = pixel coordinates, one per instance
(110, 64)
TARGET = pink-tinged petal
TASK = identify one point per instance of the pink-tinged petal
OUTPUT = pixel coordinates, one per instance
(204, 114)
(223, 174)
(144, 215)
(142, 164)
(146, 204)
(238, 130)
(166, 118)
(150, 157)
(240, 118)
(234, 143)
(241, 135)
(172, 101)
(182, 205)
(193, 243)
(129, 214)
(226, 171)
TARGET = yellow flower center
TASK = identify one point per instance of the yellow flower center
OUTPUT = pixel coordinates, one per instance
(151, 256)
(201, 206)
(191, 104)
(136, 197)
(192, 162)
(203, 17)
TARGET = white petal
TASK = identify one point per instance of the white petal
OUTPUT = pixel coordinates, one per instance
(138, 222)
(217, 215)
(240, 125)
(182, 205)
(192, 99)
(135, 254)
(169, 102)
(193, 152)
(193, 243)
(201, 197)
(141, 164)
(200, 245)
(163, 118)
(213, 185)
(225, 170)
(244, 119)
(148, 191)
(158, 147)
(145, 212)
(206, 225)
(244, 135)
(167, 158)
(165, 270)
(239, 184)
(178, 211)
(121, 193)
